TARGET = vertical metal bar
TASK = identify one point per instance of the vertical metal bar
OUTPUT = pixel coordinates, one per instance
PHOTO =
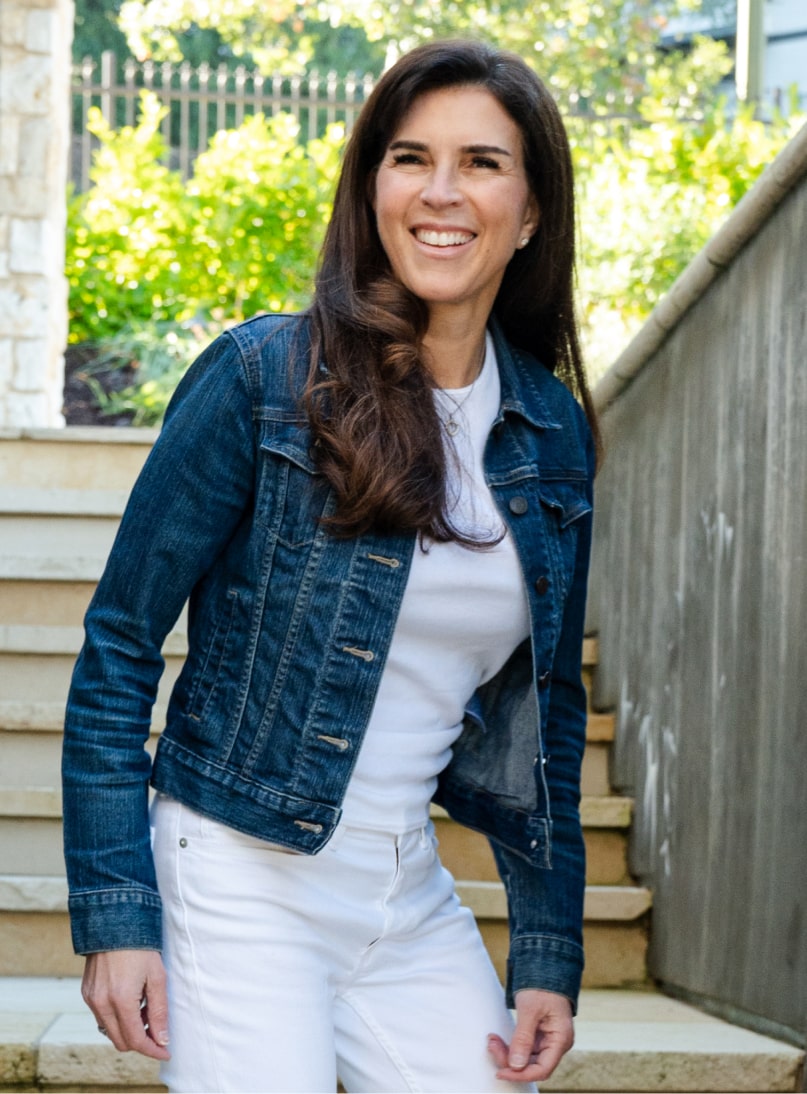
(204, 74)
(350, 99)
(167, 98)
(221, 100)
(295, 97)
(184, 119)
(87, 70)
(130, 91)
(313, 104)
(331, 92)
(257, 93)
(277, 94)
(107, 83)
(240, 80)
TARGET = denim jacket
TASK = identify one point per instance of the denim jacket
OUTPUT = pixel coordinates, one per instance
(288, 632)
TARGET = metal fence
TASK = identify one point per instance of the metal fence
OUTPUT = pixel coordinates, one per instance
(202, 100)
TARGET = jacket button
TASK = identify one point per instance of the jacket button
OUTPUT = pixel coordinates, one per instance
(518, 505)
(542, 585)
(543, 680)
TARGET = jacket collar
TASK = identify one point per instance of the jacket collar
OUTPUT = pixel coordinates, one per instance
(521, 376)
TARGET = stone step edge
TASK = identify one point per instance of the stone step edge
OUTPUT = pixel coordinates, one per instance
(84, 434)
(34, 640)
(61, 501)
(486, 899)
(45, 802)
(607, 811)
(625, 1041)
(30, 638)
(18, 716)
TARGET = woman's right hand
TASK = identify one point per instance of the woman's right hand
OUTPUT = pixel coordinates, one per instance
(125, 990)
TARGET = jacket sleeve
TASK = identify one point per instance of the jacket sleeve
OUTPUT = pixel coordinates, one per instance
(194, 489)
(546, 905)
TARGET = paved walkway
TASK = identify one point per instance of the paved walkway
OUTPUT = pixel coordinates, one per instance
(625, 1041)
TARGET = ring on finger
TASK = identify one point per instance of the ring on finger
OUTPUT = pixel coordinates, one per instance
(103, 1030)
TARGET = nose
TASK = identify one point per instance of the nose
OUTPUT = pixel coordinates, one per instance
(441, 188)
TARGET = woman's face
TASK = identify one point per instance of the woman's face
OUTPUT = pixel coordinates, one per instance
(452, 201)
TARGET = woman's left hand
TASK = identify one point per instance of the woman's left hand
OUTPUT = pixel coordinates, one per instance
(544, 1032)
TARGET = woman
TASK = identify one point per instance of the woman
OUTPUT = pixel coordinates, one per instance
(380, 512)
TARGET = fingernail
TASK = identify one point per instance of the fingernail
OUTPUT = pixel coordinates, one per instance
(518, 1061)
(162, 1038)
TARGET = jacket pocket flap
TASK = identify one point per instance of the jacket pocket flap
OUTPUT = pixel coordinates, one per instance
(291, 443)
(566, 499)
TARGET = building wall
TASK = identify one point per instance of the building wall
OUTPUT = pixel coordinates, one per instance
(35, 38)
(699, 594)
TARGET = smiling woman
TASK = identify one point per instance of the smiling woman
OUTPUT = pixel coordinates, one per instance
(452, 205)
(380, 512)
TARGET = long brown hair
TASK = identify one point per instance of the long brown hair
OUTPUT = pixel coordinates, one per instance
(376, 431)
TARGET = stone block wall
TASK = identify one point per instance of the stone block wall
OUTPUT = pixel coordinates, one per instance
(35, 37)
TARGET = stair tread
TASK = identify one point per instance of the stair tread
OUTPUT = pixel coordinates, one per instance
(48, 893)
(613, 903)
(595, 812)
(61, 501)
(48, 716)
(625, 1041)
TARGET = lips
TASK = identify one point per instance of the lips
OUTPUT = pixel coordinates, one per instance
(436, 238)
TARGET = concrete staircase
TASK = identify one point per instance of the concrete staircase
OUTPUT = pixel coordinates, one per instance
(61, 495)
(616, 910)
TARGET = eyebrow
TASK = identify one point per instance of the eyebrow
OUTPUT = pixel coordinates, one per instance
(477, 149)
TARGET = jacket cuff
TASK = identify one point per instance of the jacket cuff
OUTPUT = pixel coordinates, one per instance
(546, 963)
(116, 919)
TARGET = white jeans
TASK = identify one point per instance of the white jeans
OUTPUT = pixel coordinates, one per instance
(285, 970)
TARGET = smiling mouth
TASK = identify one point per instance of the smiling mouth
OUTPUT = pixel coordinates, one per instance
(442, 239)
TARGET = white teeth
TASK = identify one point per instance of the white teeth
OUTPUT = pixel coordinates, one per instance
(442, 239)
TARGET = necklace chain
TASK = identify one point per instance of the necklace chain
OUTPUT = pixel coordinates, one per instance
(451, 425)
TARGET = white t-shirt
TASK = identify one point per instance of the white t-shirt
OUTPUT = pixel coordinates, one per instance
(462, 615)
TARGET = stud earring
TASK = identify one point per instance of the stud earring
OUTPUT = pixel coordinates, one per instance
(523, 242)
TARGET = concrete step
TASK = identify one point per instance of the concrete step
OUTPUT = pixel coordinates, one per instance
(75, 459)
(625, 1042)
(35, 938)
(468, 855)
(31, 834)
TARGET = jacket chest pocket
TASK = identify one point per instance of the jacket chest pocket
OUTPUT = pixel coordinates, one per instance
(565, 504)
(292, 495)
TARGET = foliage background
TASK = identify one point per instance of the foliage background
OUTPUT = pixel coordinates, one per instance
(156, 267)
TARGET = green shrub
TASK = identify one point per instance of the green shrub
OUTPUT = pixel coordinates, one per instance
(241, 237)
(648, 204)
(124, 235)
(151, 259)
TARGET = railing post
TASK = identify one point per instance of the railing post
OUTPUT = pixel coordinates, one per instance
(108, 74)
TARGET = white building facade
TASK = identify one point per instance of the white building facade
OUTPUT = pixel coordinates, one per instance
(784, 59)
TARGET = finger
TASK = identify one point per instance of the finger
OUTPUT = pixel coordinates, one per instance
(539, 1066)
(135, 1037)
(497, 1049)
(155, 1011)
(530, 1074)
(522, 1046)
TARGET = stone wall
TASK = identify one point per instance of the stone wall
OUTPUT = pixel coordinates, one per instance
(35, 37)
